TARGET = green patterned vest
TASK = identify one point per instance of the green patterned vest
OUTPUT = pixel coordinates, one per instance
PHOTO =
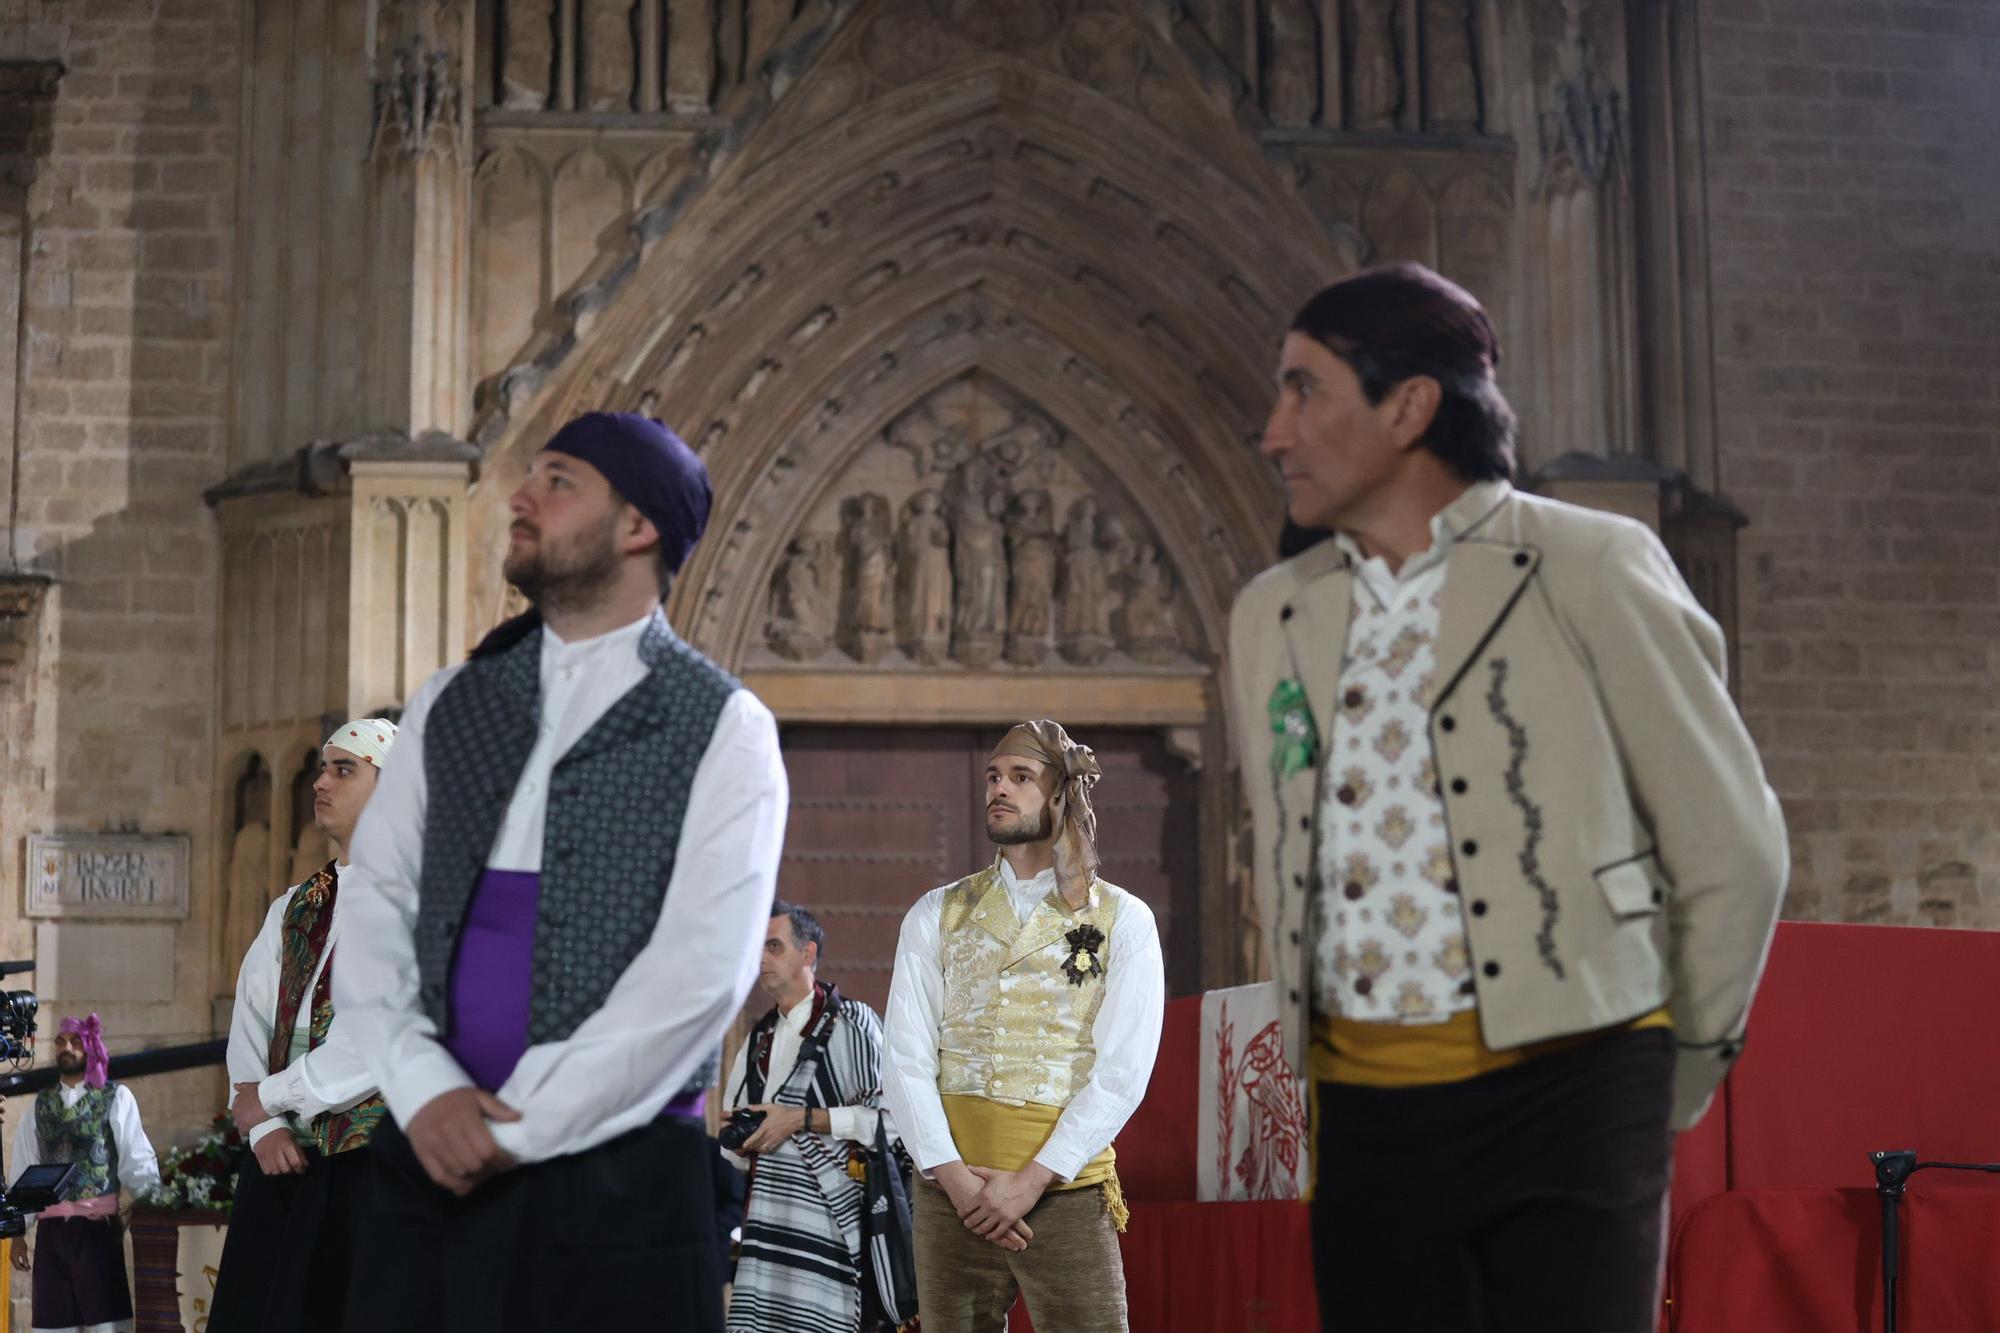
(80, 1134)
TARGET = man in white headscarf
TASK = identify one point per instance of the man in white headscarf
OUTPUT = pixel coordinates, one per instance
(302, 1091)
(1023, 1020)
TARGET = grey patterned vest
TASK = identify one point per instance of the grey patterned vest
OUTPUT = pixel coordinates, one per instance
(615, 805)
(80, 1134)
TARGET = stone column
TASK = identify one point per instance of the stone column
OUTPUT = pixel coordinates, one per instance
(1580, 233)
(419, 183)
(344, 588)
(27, 90)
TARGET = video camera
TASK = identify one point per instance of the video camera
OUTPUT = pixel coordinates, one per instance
(39, 1186)
(17, 1017)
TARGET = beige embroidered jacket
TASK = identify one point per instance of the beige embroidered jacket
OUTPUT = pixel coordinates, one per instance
(1615, 844)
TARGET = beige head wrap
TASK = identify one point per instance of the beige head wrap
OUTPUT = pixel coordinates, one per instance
(1074, 771)
(366, 738)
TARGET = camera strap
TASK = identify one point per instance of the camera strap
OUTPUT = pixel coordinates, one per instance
(812, 1046)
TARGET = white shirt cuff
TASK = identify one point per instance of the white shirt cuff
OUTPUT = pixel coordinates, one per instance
(1059, 1162)
(853, 1123)
(425, 1073)
(260, 1132)
(279, 1092)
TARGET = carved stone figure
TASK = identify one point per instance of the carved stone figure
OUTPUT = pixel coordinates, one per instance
(923, 579)
(1451, 71)
(1292, 93)
(690, 54)
(1086, 589)
(529, 42)
(978, 562)
(1375, 76)
(1118, 548)
(249, 891)
(1151, 629)
(868, 617)
(1031, 550)
(797, 628)
(608, 50)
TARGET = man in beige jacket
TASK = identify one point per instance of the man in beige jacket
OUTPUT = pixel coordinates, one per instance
(1516, 861)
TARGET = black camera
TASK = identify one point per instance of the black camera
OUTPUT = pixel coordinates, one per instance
(17, 1022)
(39, 1187)
(742, 1124)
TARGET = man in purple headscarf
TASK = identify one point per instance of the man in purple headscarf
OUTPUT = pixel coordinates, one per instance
(1517, 864)
(79, 1257)
(556, 905)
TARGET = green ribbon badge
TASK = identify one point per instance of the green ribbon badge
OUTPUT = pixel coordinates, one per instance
(1292, 724)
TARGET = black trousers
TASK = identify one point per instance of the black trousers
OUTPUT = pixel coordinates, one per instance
(286, 1261)
(1530, 1200)
(79, 1272)
(621, 1236)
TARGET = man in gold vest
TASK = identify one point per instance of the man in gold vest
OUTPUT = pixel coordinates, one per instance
(1516, 861)
(303, 1093)
(1023, 1020)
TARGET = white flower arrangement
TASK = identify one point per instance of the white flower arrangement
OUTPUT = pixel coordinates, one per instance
(200, 1177)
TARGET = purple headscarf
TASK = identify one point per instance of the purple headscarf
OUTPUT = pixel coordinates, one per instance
(96, 1060)
(651, 469)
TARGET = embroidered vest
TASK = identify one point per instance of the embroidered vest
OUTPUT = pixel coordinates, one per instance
(1020, 998)
(615, 805)
(80, 1134)
(308, 921)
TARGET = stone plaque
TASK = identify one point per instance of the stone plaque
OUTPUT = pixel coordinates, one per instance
(108, 876)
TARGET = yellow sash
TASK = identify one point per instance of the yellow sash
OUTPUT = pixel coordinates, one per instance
(1006, 1138)
(1415, 1055)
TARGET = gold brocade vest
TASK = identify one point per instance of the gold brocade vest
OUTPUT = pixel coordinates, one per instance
(1020, 997)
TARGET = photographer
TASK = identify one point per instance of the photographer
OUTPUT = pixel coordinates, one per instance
(807, 1078)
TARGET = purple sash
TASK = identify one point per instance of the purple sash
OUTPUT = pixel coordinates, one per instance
(492, 978)
(492, 984)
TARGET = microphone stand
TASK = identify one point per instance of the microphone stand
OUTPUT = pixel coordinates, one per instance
(1892, 1172)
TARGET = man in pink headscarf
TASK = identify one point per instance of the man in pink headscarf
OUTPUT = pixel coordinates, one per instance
(79, 1255)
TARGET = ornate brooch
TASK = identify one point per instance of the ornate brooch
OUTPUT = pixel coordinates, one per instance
(1292, 723)
(1083, 962)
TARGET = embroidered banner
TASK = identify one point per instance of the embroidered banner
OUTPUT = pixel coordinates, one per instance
(1250, 1135)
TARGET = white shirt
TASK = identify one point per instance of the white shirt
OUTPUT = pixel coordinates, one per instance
(856, 1123)
(331, 1077)
(666, 1014)
(138, 1168)
(1388, 940)
(1126, 1033)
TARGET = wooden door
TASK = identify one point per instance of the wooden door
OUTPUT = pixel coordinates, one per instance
(880, 816)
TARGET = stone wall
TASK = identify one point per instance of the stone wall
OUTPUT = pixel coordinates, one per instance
(1855, 201)
(123, 417)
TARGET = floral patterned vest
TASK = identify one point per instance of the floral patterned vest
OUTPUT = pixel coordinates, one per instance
(80, 1134)
(308, 921)
(1020, 997)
